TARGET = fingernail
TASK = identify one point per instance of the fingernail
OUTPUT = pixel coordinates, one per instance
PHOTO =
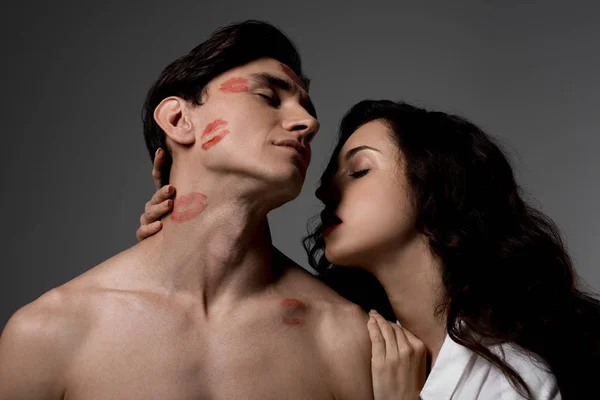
(169, 203)
(372, 312)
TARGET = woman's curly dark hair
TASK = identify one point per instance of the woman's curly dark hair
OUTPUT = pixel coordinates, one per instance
(506, 273)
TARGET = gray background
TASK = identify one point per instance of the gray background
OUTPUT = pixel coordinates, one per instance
(74, 75)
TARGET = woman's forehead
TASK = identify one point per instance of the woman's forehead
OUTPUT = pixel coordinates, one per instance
(374, 134)
(372, 131)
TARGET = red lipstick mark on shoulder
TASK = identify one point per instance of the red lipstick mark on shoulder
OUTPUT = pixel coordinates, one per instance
(293, 321)
(188, 207)
(294, 307)
(292, 75)
(212, 128)
(293, 303)
(235, 85)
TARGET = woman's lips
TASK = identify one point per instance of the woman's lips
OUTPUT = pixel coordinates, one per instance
(330, 229)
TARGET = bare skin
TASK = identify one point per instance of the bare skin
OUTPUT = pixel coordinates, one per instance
(94, 339)
(206, 308)
(398, 358)
(398, 255)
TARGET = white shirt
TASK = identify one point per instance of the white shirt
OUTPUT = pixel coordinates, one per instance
(459, 373)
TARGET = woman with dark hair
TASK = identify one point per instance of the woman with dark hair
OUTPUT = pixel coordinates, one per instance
(428, 204)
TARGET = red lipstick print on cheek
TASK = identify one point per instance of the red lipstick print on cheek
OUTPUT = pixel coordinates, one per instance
(235, 85)
(210, 143)
(295, 308)
(212, 128)
(188, 207)
(292, 75)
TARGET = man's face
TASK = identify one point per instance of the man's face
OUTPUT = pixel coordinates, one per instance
(256, 121)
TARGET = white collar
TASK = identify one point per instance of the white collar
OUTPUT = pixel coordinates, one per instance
(450, 365)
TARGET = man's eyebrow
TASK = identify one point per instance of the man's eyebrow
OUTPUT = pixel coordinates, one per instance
(266, 79)
(352, 152)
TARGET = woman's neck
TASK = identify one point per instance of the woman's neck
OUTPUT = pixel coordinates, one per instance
(413, 282)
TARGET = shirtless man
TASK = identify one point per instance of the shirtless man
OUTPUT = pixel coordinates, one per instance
(206, 308)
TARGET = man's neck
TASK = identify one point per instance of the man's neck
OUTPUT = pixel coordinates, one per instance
(412, 281)
(219, 255)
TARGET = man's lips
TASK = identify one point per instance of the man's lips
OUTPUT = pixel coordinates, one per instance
(293, 144)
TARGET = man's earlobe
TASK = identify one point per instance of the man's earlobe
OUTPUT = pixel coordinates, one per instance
(172, 117)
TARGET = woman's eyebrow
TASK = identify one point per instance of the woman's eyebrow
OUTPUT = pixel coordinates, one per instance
(352, 152)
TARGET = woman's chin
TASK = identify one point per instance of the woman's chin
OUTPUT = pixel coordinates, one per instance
(342, 259)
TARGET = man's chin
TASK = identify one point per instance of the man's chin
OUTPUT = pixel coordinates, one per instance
(285, 195)
(291, 180)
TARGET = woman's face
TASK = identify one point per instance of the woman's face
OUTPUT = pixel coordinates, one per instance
(374, 211)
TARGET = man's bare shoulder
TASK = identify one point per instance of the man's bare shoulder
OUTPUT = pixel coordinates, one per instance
(41, 339)
(334, 310)
(345, 343)
(341, 334)
(61, 317)
(343, 324)
(37, 345)
(55, 317)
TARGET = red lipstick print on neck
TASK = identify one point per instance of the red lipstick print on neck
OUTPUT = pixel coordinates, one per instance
(235, 85)
(188, 207)
(295, 308)
(212, 128)
(292, 75)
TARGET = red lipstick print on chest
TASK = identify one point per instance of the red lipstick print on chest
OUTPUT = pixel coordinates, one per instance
(188, 207)
(217, 125)
(294, 310)
(235, 85)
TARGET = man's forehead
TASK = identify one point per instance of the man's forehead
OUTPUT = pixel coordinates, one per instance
(292, 75)
(269, 72)
(270, 66)
(283, 83)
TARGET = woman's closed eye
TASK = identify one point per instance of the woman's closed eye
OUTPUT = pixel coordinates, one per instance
(359, 173)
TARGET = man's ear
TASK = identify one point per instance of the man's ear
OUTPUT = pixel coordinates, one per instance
(171, 115)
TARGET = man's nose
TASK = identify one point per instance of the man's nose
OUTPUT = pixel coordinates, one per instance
(304, 127)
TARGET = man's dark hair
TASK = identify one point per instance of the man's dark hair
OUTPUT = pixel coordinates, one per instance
(506, 273)
(228, 47)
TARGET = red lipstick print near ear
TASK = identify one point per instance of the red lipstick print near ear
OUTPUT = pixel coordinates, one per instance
(212, 128)
(210, 143)
(235, 85)
(188, 207)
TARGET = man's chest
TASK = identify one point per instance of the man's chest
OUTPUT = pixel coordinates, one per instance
(274, 355)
